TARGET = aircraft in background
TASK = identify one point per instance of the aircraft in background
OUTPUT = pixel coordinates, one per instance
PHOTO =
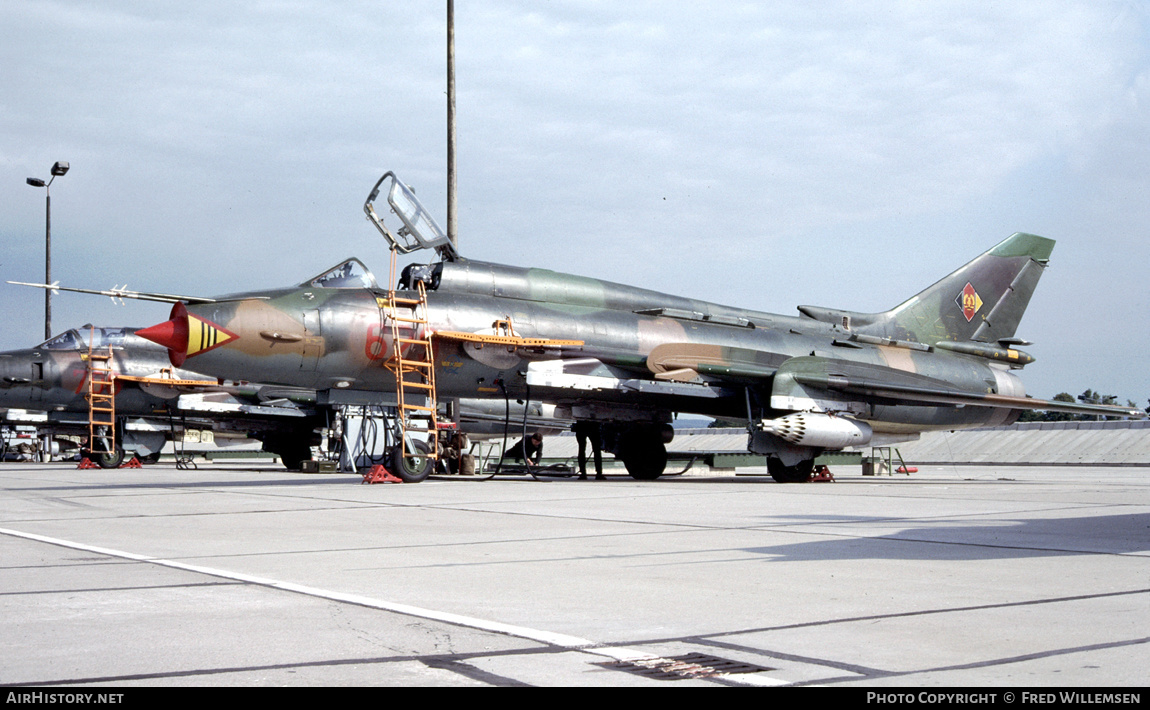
(627, 357)
(153, 400)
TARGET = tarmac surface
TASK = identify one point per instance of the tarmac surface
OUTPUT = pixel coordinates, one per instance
(248, 575)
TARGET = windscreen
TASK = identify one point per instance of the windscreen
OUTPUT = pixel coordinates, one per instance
(348, 274)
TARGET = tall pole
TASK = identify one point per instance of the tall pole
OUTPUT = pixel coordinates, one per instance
(452, 214)
(48, 265)
(60, 168)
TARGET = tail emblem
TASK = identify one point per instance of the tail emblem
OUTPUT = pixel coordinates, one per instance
(969, 301)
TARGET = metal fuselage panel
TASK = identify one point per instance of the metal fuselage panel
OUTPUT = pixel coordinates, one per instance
(306, 337)
(346, 340)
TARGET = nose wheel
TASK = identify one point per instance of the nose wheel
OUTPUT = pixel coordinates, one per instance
(415, 466)
(106, 459)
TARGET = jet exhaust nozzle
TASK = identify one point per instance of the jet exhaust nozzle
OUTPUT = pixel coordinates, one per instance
(819, 430)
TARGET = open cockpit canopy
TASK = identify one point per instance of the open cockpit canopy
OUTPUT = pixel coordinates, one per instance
(419, 230)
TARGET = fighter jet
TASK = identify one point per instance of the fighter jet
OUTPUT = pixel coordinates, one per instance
(946, 358)
(152, 399)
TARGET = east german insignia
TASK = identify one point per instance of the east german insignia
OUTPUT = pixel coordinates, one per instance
(969, 301)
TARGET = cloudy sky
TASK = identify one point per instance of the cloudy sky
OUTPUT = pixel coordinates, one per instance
(763, 155)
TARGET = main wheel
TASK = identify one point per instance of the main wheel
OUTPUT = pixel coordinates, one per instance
(291, 451)
(412, 468)
(799, 473)
(645, 459)
(293, 456)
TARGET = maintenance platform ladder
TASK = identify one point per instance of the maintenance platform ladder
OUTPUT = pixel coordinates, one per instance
(101, 400)
(413, 363)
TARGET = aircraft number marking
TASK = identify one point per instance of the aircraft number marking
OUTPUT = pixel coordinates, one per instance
(376, 347)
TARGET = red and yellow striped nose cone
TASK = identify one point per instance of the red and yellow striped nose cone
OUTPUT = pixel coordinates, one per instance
(186, 334)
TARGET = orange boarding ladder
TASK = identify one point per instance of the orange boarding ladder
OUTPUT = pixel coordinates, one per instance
(413, 363)
(101, 399)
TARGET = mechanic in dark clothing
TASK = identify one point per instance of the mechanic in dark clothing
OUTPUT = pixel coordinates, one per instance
(589, 430)
(534, 450)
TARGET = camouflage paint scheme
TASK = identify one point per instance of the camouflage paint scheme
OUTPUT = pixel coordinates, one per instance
(52, 378)
(943, 359)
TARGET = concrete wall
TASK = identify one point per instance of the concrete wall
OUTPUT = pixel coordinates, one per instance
(1124, 443)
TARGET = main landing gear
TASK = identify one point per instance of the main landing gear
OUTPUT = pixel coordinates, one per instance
(293, 449)
(798, 473)
(641, 447)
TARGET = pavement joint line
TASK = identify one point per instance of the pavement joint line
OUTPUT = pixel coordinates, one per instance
(574, 643)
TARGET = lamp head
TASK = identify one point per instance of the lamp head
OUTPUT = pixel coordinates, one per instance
(59, 168)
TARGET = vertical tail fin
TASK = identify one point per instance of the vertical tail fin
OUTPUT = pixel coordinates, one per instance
(982, 301)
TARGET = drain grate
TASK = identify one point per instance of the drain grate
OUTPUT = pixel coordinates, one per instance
(691, 665)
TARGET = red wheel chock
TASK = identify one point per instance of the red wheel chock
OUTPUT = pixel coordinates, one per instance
(822, 474)
(379, 474)
(134, 462)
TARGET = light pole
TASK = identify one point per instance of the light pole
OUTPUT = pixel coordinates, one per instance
(58, 169)
(452, 211)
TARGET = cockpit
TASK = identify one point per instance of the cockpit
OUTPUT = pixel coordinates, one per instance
(350, 273)
(418, 231)
(79, 338)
